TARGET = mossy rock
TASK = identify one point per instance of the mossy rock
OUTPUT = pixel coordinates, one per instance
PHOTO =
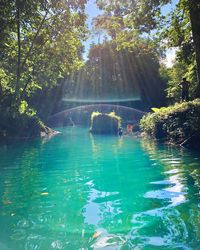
(105, 123)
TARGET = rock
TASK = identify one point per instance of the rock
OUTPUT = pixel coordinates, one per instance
(48, 132)
(105, 123)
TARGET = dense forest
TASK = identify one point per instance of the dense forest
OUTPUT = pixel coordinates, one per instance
(41, 56)
(116, 75)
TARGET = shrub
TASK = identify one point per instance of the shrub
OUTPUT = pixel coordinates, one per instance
(175, 123)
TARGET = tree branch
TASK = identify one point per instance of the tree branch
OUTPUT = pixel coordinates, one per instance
(36, 35)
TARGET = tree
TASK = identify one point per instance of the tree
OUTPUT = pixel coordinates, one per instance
(40, 44)
(112, 75)
(194, 7)
(126, 19)
(41, 40)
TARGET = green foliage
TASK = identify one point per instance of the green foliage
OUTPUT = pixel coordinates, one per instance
(176, 123)
(111, 115)
(114, 116)
(50, 39)
(127, 21)
(25, 109)
(41, 44)
(130, 17)
(178, 34)
(175, 74)
(95, 114)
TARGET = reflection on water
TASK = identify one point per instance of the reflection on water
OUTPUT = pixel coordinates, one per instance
(175, 192)
(78, 191)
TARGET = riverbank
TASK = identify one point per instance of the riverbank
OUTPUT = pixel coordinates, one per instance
(24, 127)
(178, 124)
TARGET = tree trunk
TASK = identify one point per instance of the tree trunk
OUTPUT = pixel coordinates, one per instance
(17, 87)
(194, 6)
(32, 44)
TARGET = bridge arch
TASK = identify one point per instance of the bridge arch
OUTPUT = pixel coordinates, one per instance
(80, 115)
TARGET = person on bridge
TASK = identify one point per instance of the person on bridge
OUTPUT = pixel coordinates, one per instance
(185, 89)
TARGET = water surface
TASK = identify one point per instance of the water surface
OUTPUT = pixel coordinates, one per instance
(78, 191)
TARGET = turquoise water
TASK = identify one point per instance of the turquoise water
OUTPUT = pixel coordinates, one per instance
(77, 191)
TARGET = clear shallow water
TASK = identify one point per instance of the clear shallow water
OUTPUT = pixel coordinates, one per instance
(78, 191)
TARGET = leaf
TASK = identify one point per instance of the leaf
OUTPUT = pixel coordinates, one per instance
(96, 235)
(156, 110)
(44, 193)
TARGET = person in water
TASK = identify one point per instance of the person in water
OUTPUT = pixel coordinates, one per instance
(185, 89)
(120, 131)
(129, 128)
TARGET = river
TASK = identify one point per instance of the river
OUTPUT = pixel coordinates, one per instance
(77, 191)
